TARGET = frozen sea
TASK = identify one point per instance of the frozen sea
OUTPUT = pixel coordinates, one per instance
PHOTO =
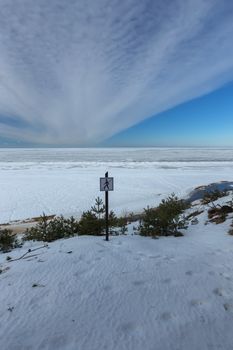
(66, 181)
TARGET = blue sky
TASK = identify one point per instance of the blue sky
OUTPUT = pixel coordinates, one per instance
(206, 121)
(109, 72)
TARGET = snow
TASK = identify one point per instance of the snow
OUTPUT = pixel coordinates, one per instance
(130, 293)
(66, 181)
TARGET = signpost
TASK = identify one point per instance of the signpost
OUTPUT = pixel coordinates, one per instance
(106, 184)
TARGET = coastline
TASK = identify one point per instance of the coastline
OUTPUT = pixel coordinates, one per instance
(19, 226)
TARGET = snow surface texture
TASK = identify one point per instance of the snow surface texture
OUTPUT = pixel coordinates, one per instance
(130, 293)
(66, 181)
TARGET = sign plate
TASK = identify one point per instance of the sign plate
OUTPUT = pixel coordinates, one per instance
(106, 184)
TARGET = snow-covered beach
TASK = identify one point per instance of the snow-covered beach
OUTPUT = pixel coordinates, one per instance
(66, 181)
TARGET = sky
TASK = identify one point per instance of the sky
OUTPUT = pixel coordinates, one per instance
(206, 121)
(116, 73)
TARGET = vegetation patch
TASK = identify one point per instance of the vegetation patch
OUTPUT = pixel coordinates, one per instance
(92, 222)
(8, 241)
(211, 196)
(50, 230)
(219, 214)
(165, 220)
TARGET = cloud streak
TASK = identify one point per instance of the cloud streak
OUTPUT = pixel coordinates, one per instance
(77, 72)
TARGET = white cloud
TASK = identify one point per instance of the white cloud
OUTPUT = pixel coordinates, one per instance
(79, 71)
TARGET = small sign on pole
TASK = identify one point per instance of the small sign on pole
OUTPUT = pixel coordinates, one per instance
(106, 185)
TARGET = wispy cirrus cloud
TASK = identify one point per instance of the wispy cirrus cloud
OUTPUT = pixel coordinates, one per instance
(79, 71)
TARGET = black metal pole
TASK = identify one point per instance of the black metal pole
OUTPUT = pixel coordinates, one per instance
(106, 211)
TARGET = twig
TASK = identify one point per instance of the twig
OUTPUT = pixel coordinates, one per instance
(29, 251)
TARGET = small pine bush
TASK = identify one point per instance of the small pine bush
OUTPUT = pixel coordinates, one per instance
(51, 230)
(8, 241)
(165, 220)
(90, 224)
(98, 208)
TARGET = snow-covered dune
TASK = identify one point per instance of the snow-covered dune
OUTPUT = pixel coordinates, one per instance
(130, 293)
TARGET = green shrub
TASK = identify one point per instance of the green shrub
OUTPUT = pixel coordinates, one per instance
(90, 224)
(51, 230)
(98, 208)
(165, 220)
(8, 241)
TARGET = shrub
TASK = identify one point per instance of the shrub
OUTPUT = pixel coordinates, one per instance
(8, 241)
(71, 226)
(98, 208)
(50, 230)
(165, 220)
(90, 224)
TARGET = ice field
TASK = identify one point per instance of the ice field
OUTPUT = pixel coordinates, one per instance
(66, 181)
